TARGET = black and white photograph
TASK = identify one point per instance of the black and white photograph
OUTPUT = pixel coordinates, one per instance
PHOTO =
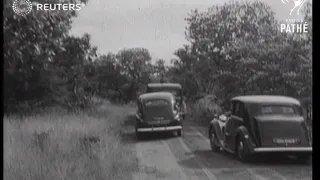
(157, 90)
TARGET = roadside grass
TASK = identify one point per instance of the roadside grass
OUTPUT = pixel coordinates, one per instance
(202, 111)
(61, 145)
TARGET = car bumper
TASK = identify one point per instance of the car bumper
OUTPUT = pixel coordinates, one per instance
(283, 149)
(159, 129)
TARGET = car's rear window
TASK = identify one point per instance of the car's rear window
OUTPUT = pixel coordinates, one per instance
(174, 92)
(156, 103)
(277, 109)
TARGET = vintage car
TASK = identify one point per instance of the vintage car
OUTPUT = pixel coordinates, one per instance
(262, 124)
(175, 89)
(157, 113)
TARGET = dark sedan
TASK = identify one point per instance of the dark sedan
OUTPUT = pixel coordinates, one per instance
(157, 113)
(262, 124)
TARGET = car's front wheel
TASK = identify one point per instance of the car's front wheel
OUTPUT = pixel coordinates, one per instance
(241, 150)
(213, 142)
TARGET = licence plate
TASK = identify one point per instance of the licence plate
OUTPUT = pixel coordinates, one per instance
(286, 140)
(158, 122)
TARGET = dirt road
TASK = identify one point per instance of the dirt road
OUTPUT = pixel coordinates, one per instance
(164, 156)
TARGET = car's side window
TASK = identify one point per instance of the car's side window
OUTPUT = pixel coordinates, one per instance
(236, 108)
(139, 107)
(241, 110)
(232, 104)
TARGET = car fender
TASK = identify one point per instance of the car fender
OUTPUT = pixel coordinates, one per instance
(243, 132)
(214, 124)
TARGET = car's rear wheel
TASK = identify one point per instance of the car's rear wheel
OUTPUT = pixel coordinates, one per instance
(241, 150)
(213, 141)
(179, 133)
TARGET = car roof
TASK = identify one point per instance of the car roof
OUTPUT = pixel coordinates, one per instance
(156, 95)
(306, 100)
(266, 99)
(174, 85)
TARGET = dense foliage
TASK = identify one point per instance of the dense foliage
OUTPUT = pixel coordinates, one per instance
(238, 48)
(233, 49)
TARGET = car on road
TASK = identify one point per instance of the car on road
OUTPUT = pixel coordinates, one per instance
(157, 113)
(175, 89)
(262, 124)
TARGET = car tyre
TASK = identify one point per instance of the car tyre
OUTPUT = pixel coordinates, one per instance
(241, 153)
(213, 142)
(179, 133)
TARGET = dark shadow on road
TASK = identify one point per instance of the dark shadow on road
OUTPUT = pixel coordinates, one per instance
(189, 163)
(211, 160)
(157, 136)
(129, 136)
(226, 160)
(275, 160)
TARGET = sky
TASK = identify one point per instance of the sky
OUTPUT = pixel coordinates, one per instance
(157, 25)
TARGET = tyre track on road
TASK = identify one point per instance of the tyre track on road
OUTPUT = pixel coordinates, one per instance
(189, 158)
(253, 172)
(208, 173)
(229, 169)
(276, 172)
(156, 161)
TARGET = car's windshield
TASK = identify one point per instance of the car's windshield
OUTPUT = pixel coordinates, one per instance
(277, 109)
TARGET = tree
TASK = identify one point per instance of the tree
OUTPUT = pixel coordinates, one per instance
(237, 49)
(33, 46)
(136, 65)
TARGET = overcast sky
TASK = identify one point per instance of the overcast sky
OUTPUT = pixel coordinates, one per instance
(157, 25)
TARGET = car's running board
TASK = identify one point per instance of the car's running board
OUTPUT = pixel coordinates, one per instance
(168, 128)
(284, 149)
(223, 146)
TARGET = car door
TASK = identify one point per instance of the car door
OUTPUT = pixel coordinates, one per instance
(229, 124)
(236, 120)
(139, 109)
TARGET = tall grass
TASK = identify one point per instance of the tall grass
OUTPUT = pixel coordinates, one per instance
(60, 145)
(203, 110)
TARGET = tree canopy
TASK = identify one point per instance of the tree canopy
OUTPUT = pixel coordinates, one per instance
(235, 48)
